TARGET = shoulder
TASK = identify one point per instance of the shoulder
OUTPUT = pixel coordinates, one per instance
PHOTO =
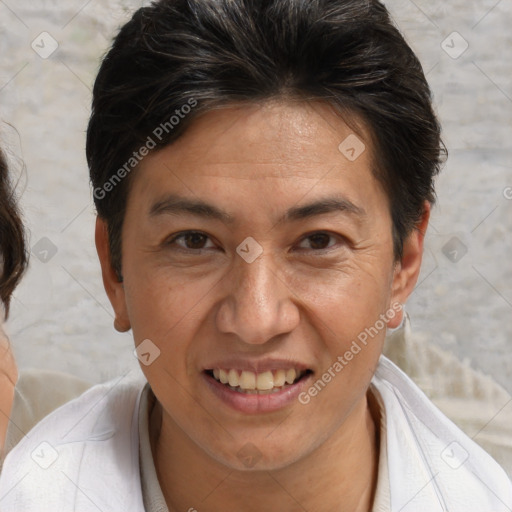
(474, 401)
(102, 402)
(89, 443)
(37, 393)
(430, 460)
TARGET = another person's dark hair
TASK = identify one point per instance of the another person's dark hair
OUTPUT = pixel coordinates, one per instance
(13, 255)
(347, 53)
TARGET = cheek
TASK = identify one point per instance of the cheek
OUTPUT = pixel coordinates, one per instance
(347, 298)
(345, 308)
(159, 300)
(168, 310)
(346, 315)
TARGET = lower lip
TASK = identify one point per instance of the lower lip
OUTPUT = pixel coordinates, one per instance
(254, 403)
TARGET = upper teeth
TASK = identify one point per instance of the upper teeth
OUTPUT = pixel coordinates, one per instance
(257, 381)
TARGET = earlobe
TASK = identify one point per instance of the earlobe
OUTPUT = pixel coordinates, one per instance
(408, 268)
(113, 286)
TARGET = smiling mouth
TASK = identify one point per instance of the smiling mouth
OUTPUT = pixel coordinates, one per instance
(252, 383)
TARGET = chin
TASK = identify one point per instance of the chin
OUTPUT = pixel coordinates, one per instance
(260, 455)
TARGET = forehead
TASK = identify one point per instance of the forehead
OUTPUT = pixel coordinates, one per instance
(256, 162)
(258, 166)
(273, 139)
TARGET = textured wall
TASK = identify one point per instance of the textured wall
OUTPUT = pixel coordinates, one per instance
(61, 318)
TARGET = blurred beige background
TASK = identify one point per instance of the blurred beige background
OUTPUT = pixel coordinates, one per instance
(61, 318)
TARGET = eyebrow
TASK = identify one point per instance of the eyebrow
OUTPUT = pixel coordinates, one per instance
(177, 205)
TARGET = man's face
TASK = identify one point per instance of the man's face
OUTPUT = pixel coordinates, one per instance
(254, 247)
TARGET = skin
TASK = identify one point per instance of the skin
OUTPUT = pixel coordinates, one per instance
(8, 378)
(304, 299)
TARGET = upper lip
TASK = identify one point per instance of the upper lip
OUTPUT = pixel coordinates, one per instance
(257, 365)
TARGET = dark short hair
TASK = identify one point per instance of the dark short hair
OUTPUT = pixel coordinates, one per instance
(347, 53)
(13, 255)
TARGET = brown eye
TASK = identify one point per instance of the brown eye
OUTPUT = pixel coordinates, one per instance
(195, 240)
(192, 240)
(318, 241)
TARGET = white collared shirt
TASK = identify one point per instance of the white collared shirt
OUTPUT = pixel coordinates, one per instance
(85, 456)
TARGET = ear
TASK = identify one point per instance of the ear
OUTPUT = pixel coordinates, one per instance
(113, 287)
(408, 268)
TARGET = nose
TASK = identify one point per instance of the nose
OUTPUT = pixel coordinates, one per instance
(258, 305)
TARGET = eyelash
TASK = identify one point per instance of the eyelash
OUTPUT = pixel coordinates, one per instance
(305, 237)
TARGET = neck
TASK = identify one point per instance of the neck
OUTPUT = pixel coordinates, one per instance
(340, 475)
